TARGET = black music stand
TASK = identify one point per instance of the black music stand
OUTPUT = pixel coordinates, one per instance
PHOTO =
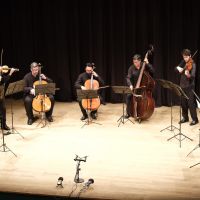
(13, 88)
(87, 94)
(168, 85)
(3, 147)
(122, 90)
(44, 89)
(179, 92)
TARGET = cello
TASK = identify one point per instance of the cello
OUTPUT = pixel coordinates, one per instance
(41, 102)
(143, 104)
(92, 103)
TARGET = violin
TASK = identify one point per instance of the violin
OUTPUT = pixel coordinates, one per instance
(188, 65)
(5, 69)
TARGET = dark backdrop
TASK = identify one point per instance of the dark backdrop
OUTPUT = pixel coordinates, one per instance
(65, 34)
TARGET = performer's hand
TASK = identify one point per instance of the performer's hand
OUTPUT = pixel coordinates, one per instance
(95, 74)
(12, 70)
(187, 73)
(146, 60)
(83, 88)
(131, 87)
(32, 91)
(43, 76)
(179, 69)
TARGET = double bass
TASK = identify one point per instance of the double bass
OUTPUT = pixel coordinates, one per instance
(143, 103)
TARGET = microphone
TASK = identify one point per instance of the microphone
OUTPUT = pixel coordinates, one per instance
(60, 180)
(89, 182)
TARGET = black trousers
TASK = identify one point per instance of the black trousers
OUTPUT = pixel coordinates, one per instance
(3, 111)
(28, 106)
(189, 104)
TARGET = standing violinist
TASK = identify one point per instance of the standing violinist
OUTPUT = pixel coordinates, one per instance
(187, 71)
(4, 79)
(132, 77)
(29, 92)
(79, 84)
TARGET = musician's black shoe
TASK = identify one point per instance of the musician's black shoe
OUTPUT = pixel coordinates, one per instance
(93, 115)
(50, 119)
(126, 116)
(30, 121)
(194, 122)
(5, 127)
(84, 117)
(183, 120)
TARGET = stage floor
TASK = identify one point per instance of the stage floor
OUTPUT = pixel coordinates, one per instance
(133, 161)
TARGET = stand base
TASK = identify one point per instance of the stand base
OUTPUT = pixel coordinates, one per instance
(180, 139)
(14, 131)
(195, 165)
(43, 121)
(4, 148)
(170, 128)
(88, 122)
(80, 180)
(123, 121)
(194, 149)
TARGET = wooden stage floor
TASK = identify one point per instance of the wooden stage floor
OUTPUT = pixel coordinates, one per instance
(133, 161)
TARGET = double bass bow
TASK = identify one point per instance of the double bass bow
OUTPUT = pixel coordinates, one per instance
(143, 103)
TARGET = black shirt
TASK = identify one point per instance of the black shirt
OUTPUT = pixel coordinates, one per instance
(186, 82)
(29, 79)
(133, 73)
(84, 77)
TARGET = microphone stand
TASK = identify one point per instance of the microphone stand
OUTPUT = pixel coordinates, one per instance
(78, 159)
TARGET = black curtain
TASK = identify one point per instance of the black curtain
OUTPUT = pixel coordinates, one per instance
(65, 34)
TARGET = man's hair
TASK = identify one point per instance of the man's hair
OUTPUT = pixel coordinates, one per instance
(186, 52)
(89, 64)
(34, 64)
(137, 57)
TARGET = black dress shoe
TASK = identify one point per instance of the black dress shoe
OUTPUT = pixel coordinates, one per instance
(126, 116)
(5, 127)
(93, 116)
(30, 121)
(194, 122)
(183, 120)
(84, 117)
(50, 119)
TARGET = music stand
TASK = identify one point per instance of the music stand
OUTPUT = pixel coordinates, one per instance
(44, 89)
(3, 147)
(13, 88)
(87, 94)
(168, 85)
(179, 92)
(122, 90)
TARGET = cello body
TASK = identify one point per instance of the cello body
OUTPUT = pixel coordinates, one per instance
(41, 103)
(92, 103)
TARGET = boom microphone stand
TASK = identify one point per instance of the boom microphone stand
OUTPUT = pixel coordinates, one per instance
(78, 159)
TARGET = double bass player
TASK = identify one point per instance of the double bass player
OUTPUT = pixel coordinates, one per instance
(132, 78)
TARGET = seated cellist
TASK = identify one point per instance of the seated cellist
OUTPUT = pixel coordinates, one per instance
(79, 84)
(132, 77)
(29, 93)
